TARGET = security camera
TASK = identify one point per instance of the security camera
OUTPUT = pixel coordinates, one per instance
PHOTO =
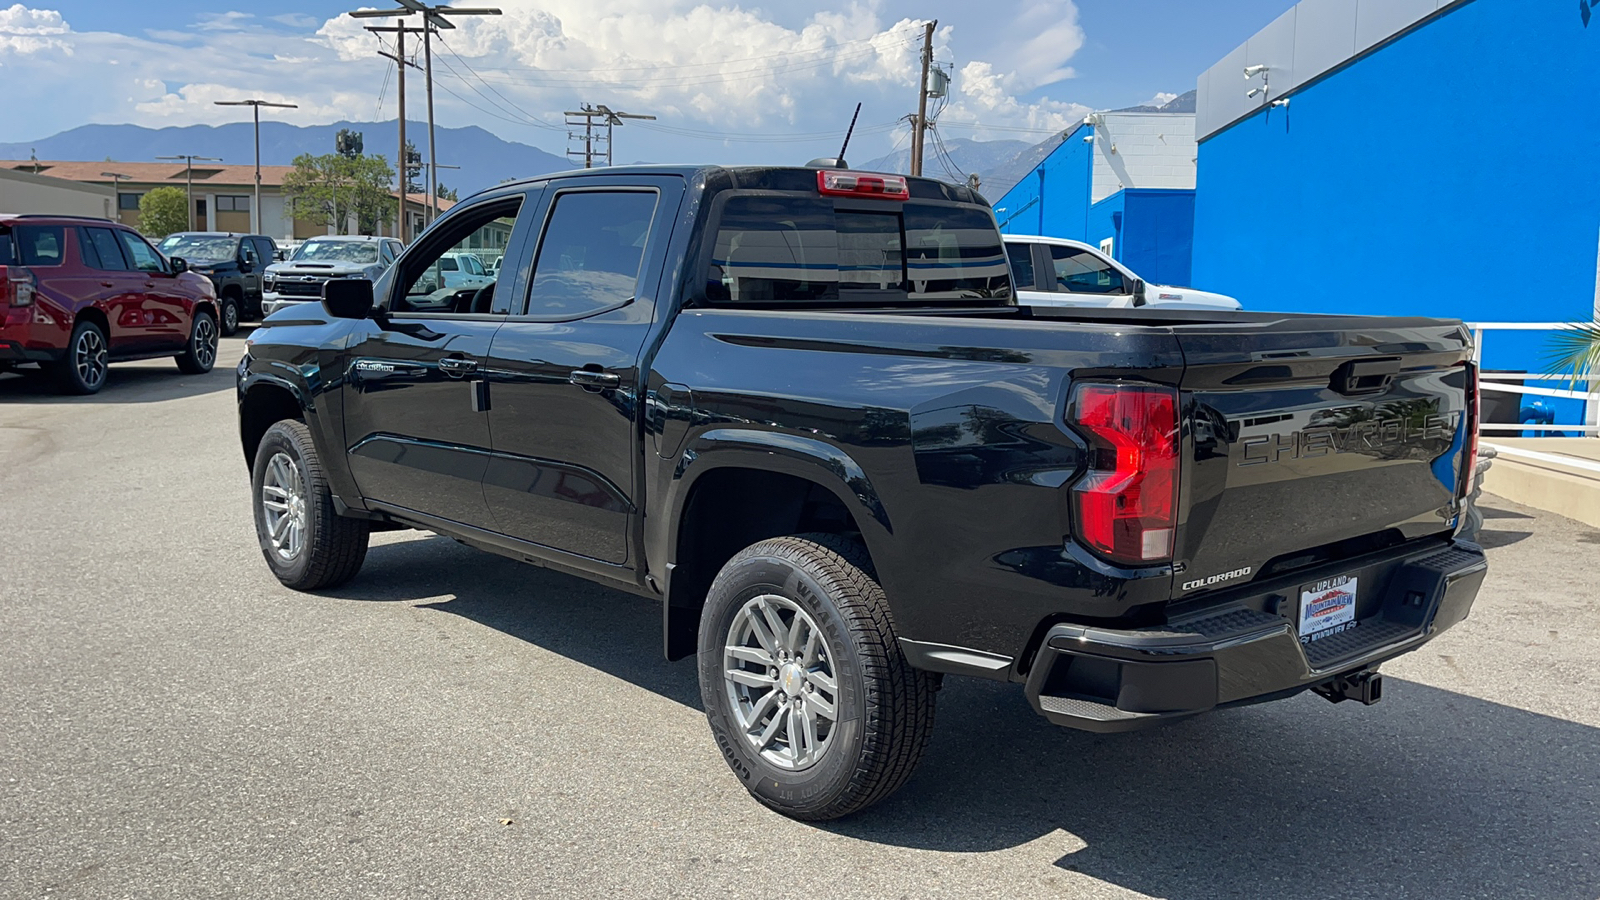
(1088, 139)
(1253, 71)
(1254, 91)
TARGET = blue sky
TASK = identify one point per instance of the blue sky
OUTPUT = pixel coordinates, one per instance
(723, 79)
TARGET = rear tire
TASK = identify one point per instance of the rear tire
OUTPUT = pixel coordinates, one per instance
(307, 545)
(856, 742)
(83, 369)
(200, 354)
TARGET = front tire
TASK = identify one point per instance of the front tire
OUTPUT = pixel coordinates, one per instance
(200, 353)
(307, 545)
(809, 698)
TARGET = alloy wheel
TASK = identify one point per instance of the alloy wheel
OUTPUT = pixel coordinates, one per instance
(205, 341)
(89, 357)
(283, 505)
(230, 316)
(781, 682)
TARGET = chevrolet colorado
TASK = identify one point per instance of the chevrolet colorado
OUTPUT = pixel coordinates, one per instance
(802, 410)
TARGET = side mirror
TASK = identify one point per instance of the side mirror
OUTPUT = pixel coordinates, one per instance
(245, 266)
(1137, 290)
(178, 264)
(347, 298)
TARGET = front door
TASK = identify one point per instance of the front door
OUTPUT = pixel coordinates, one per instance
(566, 385)
(416, 429)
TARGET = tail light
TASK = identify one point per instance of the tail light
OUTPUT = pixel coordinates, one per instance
(1125, 507)
(16, 286)
(861, 184)
(1473, 425)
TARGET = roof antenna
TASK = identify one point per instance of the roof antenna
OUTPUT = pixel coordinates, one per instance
(848, 132)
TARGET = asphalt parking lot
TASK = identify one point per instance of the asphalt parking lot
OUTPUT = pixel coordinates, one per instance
(173, 723)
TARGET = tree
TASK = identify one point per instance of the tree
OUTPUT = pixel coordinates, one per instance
(331, 189)
(163, 211)
(1577, 350)
(413, 170)
(348, 143)
(446, 193)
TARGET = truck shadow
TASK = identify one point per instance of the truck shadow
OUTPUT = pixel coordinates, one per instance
(1430, 792)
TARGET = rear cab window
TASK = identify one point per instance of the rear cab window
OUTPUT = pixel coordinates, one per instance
(794, 249)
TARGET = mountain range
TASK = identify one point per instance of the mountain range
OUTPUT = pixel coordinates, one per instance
(999, 165)
(483, 158)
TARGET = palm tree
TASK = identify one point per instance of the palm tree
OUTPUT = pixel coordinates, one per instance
(1576, 349)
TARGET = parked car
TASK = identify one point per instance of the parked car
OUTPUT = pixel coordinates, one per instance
(1060, 272)
(299, 279)
(234, 263)
(802, 410)
(286, 250)
(77, 294)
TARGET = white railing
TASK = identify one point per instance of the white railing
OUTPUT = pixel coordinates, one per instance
(1487, 382)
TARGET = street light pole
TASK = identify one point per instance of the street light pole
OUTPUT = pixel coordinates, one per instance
(188, 178)
(117, 178)
(255, 106)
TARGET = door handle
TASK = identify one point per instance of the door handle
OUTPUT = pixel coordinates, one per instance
(589, 378)
(458, 366)
(108, 284)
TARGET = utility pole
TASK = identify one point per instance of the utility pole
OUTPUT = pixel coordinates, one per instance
(920, 126)
(255, 106)
(588, 114)
(188, 178)
(399, 56)
(433, 18)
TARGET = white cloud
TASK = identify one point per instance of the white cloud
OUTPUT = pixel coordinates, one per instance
(25, 31)
(738, 72)
(1162, 98)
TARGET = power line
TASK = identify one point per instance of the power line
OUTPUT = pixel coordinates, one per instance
(767, 138)
(720, 62)
(451, 50)
(508, 109)
(685, 80)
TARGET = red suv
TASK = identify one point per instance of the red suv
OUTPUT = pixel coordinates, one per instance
(76, 294)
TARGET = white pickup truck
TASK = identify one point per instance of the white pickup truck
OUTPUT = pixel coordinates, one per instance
(1058, 272)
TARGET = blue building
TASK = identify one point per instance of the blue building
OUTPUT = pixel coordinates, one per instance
(1429, 157)
(1123, 182)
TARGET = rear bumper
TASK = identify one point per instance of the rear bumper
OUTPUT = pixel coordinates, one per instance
(15, 352)
(1246, 649)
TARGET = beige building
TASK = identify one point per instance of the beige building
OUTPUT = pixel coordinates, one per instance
(21, 192)
(222, 194)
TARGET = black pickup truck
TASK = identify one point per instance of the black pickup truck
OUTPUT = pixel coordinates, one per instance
(801, 409)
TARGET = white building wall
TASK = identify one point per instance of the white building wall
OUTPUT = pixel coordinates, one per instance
(23, 192)
(275, 220)
(1142, 150)
(1307, 41)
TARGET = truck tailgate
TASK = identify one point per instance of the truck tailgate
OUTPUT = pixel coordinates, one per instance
(1315, 438)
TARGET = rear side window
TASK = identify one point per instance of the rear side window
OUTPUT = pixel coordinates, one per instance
(104, 251)
(41, 245)
(1021, 256)
(591, 252)
(8, 250)
(797, 250)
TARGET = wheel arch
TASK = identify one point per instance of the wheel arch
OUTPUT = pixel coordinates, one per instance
(737, 487)
(263, 404)
(95, 315)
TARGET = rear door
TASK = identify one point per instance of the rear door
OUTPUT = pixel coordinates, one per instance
(1316, 437)
(121, 293)
(564, 408)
